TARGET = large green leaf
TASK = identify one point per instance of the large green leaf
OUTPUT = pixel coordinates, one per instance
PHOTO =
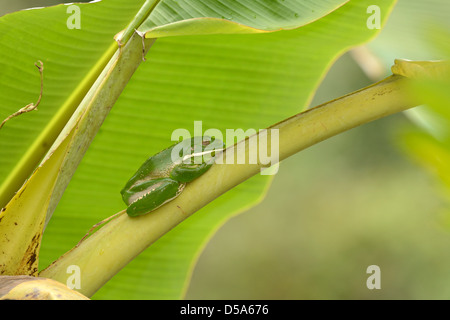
(246, 81)
(38, 139)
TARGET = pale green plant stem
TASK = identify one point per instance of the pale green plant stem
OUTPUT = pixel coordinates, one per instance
(108, 250)
(94, 108)
(140, 17)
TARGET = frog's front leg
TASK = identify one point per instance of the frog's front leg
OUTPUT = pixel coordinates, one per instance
(147, 196)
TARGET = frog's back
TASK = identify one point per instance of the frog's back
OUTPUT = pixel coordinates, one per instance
(157, 166)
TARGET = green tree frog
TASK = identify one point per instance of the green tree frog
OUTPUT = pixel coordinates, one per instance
(164, 175)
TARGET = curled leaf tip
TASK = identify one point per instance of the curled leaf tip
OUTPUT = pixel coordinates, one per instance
(421, 69)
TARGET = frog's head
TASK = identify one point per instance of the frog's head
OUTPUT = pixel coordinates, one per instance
(194, 157)
(196, 150)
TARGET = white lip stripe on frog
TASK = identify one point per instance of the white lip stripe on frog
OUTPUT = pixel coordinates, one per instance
(197, 154)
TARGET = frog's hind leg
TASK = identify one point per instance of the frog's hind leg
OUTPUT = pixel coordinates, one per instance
(152, 194)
